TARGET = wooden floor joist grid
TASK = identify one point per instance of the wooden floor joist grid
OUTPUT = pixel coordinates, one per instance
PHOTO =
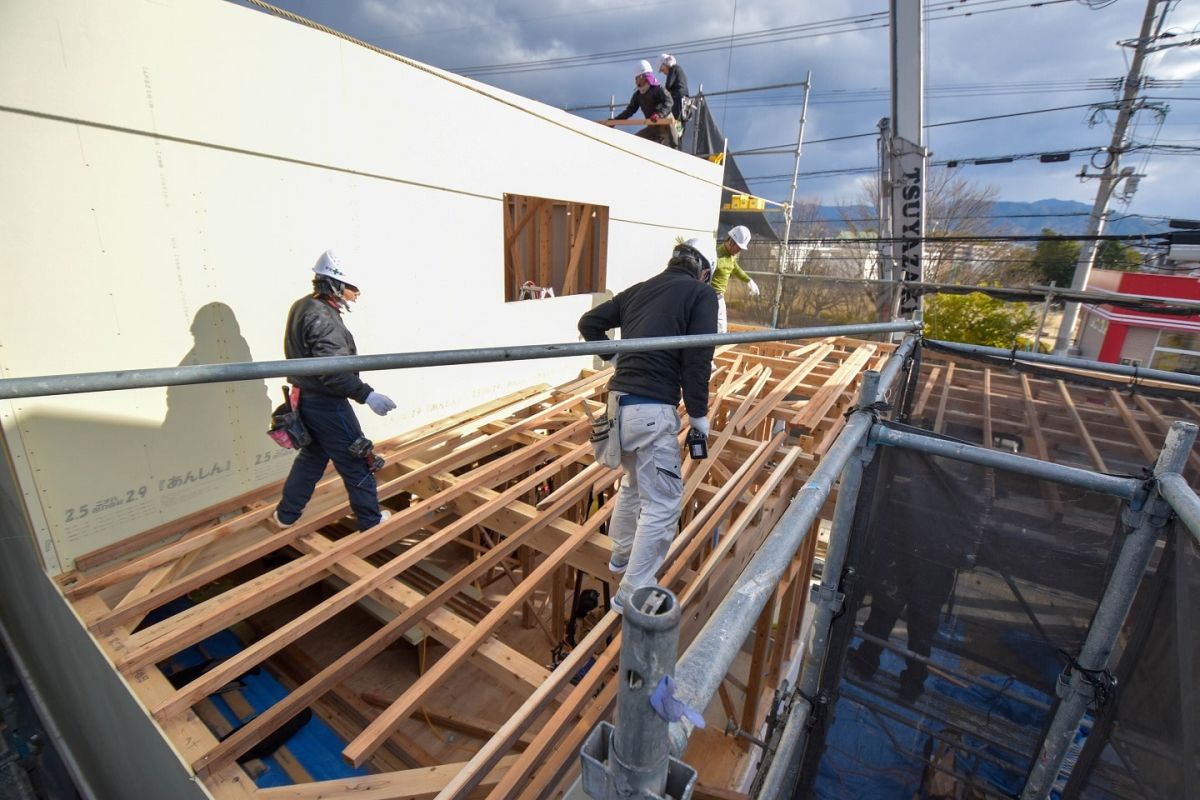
(495, 512)
(1116, 428)
(425, 643)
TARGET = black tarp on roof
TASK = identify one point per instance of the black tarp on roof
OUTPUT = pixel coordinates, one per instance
(703, 138)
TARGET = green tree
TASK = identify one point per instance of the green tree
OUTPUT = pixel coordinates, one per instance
(1055, 259)
(1118, 255)
(976, 319)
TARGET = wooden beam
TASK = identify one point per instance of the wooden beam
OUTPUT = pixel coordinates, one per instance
(793, 378)
(412, 784)
(578, 245)
(939, 420)
(291, 705)
(1080, 428)
(1135, 429)
(358, 750)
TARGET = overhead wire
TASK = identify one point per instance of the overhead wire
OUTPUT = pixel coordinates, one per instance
(841, 25)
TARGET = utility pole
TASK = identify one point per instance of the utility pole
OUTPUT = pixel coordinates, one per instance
(786, 247)
(906, 173)
(1109, 178)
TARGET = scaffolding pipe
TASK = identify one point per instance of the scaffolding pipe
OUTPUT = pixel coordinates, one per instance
(781, 775)
(705, 663)
(1125, 488)
(1137, 373)
(1183, 500)
(12, 388)
(1078, 691)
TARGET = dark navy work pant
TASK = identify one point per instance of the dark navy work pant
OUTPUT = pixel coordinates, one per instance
(333, 426)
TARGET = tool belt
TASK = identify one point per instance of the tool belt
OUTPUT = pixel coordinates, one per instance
(287, 429)
(606, 433)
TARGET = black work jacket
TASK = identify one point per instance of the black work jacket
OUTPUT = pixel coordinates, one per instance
(676, 86)
(672, 303)
(314, 330)
(654, 100)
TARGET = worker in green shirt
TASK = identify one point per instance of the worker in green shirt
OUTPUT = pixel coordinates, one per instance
(737, 241)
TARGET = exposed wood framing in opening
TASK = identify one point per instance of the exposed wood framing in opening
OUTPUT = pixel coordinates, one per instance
(555, 244)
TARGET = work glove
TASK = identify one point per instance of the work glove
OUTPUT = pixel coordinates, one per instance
(754, 290)
(381, 404)
(699, 424)
(654, 117)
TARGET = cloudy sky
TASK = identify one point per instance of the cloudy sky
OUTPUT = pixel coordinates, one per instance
(984, 58)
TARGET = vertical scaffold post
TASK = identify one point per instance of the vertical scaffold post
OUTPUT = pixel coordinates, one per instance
(632, 760)
(1077, 685)
(781, 775)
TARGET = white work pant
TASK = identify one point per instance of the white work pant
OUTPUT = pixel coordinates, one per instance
(648, 504)
(722, 315)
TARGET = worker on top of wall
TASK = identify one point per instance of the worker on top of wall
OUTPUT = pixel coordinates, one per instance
(675, 302)
(655, 104)
(727, 265)
(676, 85)
(315, 329)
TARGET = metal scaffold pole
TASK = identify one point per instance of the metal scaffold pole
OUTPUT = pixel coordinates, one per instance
(11, 388)
(789, 210)
(781, 775)
(707, 660)
(1084, 682)
(632, 759)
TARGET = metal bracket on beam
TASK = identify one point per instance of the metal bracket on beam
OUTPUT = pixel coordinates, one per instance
(600, 779)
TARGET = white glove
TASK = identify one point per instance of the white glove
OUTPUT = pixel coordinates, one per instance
(381, 404)
(699, 424)
(754, 290)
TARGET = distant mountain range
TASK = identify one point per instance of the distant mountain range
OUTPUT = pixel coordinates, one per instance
(1062, 216)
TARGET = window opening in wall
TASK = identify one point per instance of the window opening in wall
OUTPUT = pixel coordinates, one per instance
(553, 247)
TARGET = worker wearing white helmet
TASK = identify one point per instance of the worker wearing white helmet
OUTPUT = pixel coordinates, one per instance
(654, 102)
(643, 395)
(315, 329)
(727, 266)
(676, 84)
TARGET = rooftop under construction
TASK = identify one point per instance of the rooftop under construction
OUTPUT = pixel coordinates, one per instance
(464, 647)
(905, 568)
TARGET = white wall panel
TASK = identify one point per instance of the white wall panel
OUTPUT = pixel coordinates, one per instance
(173, 169)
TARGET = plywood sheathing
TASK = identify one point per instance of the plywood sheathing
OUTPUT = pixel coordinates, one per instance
(501, 498)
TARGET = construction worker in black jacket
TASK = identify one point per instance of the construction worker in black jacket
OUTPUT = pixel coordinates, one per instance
(676, 302)
(315, 329)
(655, 104)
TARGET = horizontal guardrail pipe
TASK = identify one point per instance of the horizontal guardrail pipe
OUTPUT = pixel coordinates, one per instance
(703, 666)
(12, 388)
(1183, 500)
(1125, 488)
(1140, 373)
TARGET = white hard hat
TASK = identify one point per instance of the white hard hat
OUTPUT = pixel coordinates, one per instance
(330, 265)
(643, 67)
(705, 247)
(740, 236)
(668, 59)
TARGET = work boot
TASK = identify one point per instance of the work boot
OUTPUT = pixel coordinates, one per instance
(280, 524)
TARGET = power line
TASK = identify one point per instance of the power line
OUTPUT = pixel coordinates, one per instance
(779, 149)
(840, 25)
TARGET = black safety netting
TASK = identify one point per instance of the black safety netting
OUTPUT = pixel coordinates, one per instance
(1147, 742)
(967, 590)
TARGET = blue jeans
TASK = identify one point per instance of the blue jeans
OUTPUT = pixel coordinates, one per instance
(333, 426)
